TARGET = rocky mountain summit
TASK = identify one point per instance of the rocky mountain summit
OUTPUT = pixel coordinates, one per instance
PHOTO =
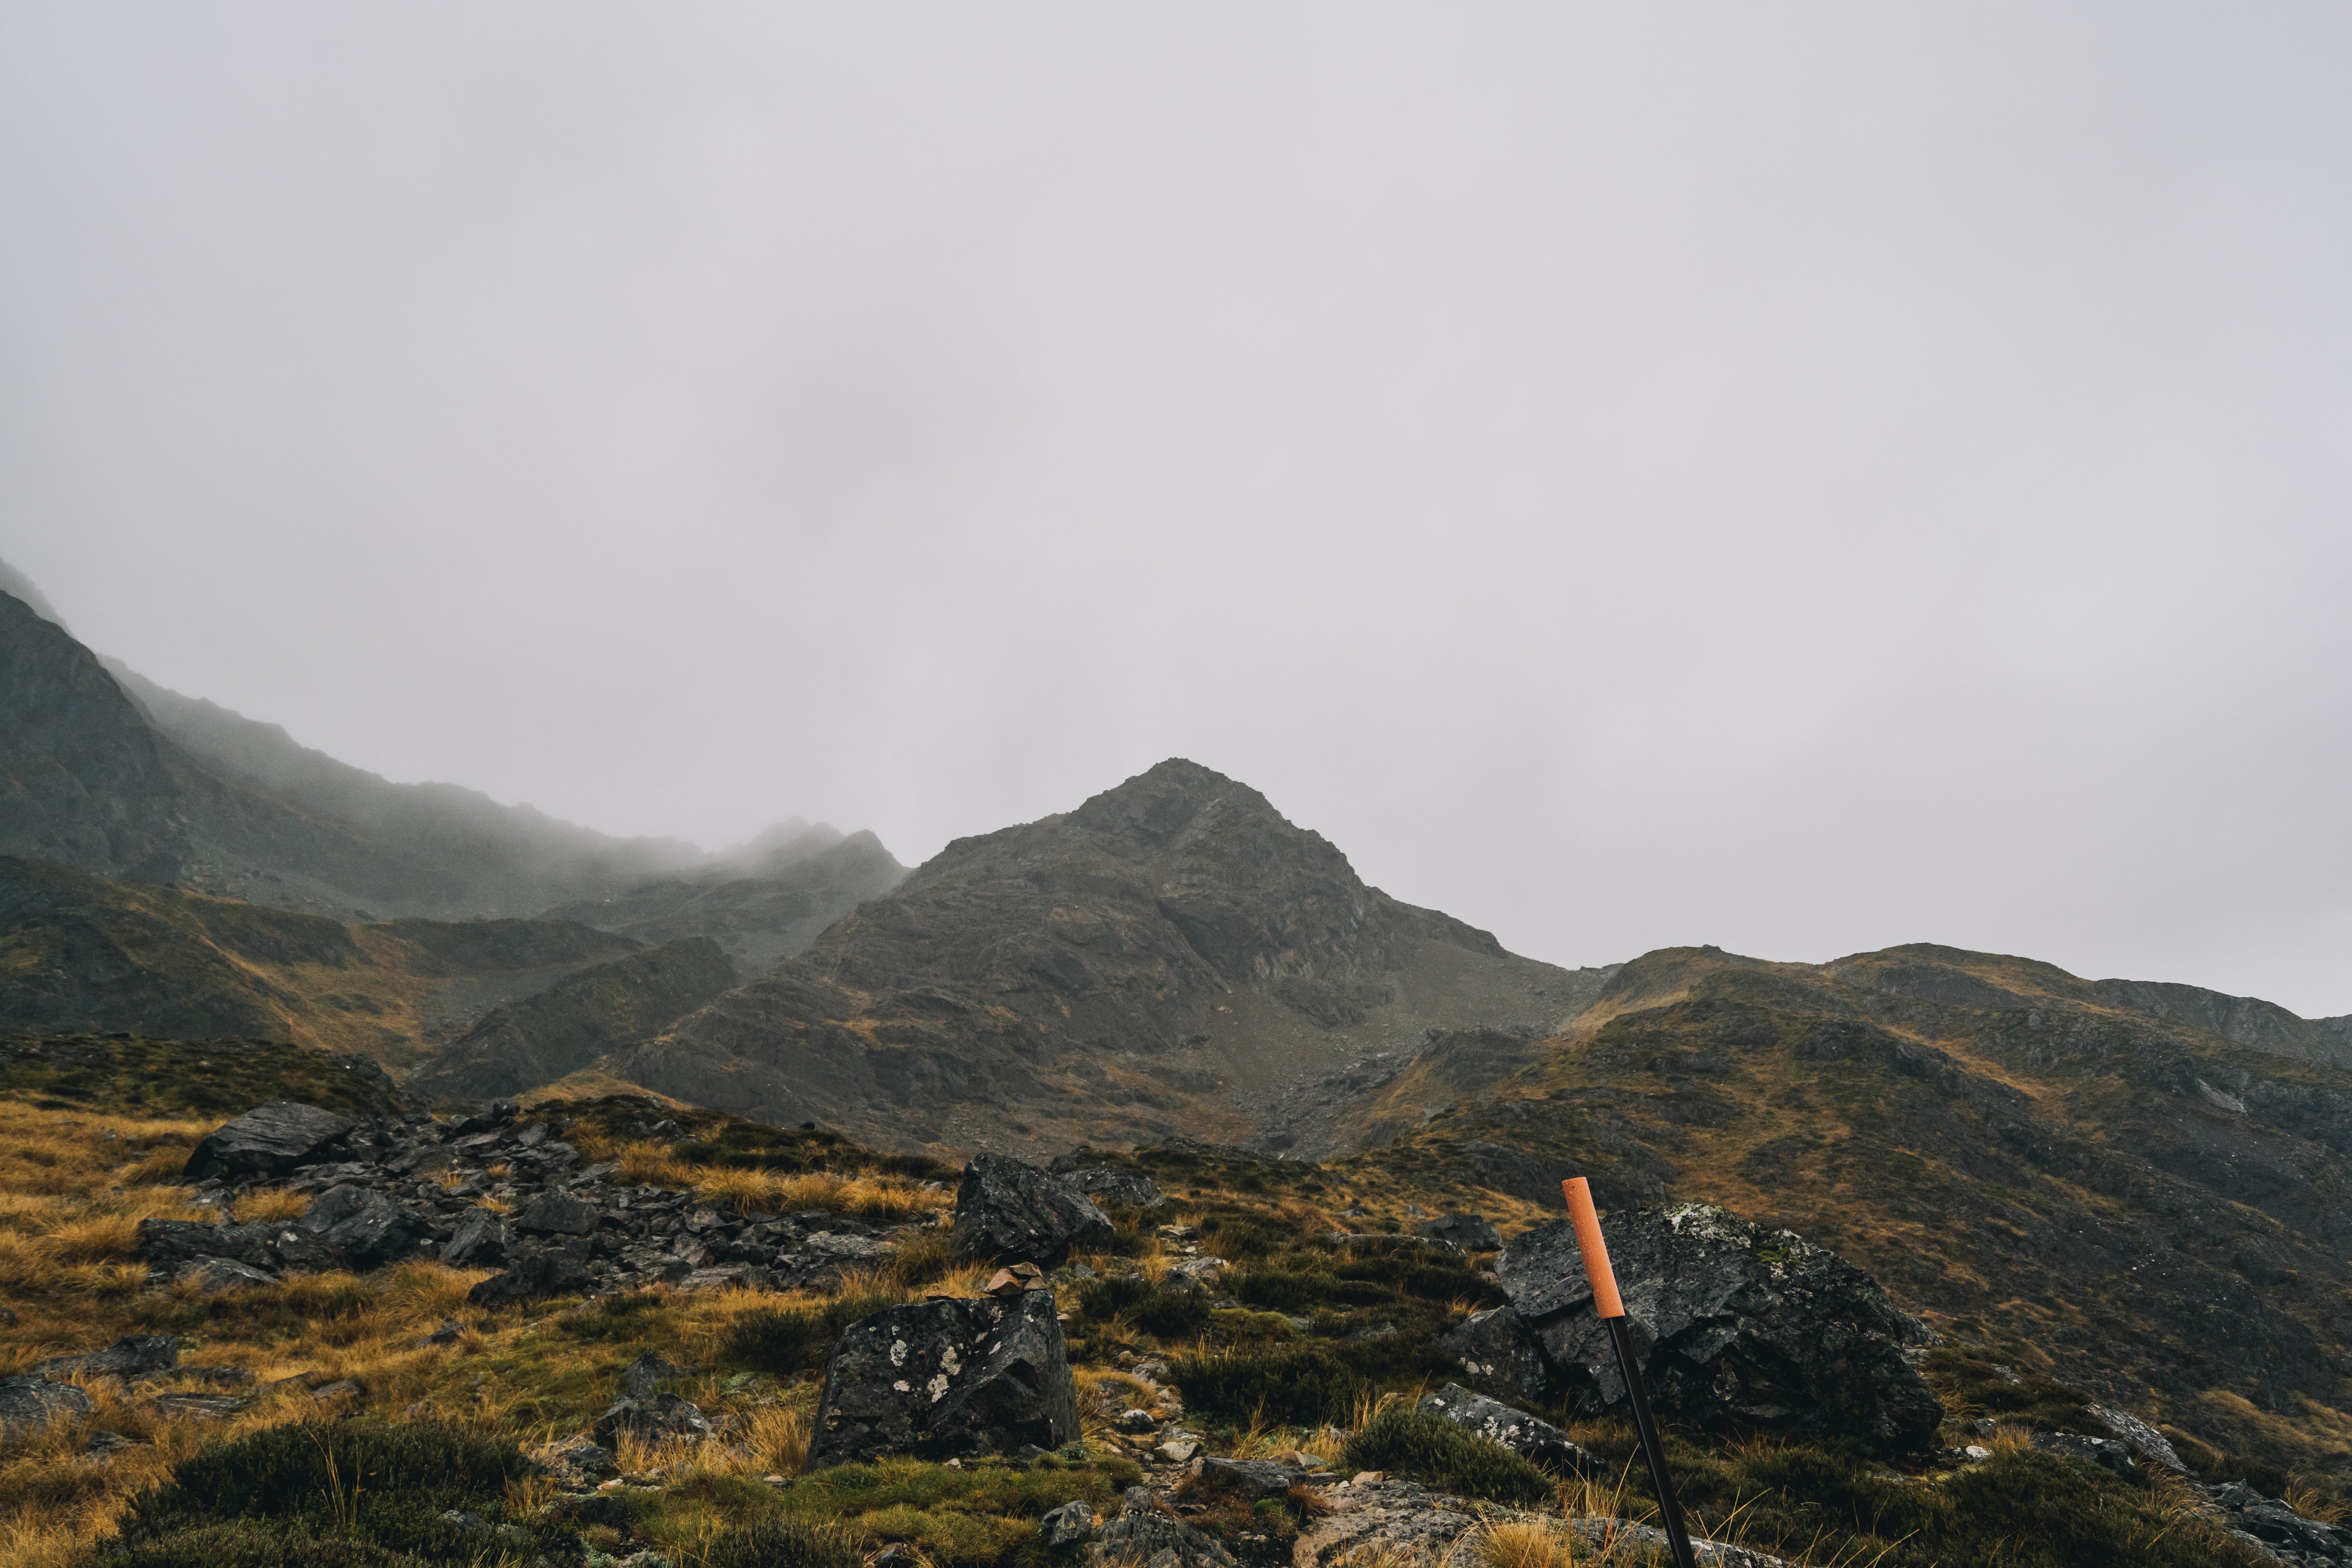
(1172, 955)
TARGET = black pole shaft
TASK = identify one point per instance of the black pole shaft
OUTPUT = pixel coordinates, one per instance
(1669, 1508)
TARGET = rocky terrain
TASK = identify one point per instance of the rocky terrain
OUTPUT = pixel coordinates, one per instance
(2147, 1208)
(1172, 956)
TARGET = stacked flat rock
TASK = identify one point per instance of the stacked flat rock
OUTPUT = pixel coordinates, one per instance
(1009, 1211)
(948, 1378)
(410, 1187)
(1737, 1328)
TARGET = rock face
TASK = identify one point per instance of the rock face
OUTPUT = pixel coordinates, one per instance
(267, 1141)
(1537, 1441)
(1107, 1184)
(1737, 1328)
(1160, 959)
(1499, 1355)
(948, 1378)
(1009, 1211)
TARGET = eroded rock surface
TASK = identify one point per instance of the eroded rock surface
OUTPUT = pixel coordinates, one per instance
(1535, 1440)
(948, 1378)
(1011, 1212)
(1737, 1327)
(268, 1141)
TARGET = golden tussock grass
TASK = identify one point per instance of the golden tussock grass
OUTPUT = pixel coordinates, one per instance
(1528, 1543)
(861, 1197)
(272, 1203)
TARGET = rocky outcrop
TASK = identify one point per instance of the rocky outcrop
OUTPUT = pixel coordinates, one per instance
(1009, 1211)
(29, 1405)
(133, 1356)
(267, 1142)
(1160, 959)
(948, 1378)
(1737, 1327)
(568, 1229)
(1144, 1536)
(1531, 1439)
(1108, 1185)
(554, 1033)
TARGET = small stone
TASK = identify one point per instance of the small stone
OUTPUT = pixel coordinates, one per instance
(1977, 1453)
(1066, 1525)
(1177, 1450)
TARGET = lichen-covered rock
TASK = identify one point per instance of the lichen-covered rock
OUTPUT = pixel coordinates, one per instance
(947, 1378)
(1394, 1523)
(557, 1271)
(1009, 1211)
(1537, 1441)
(1108, 1185)
(364, 1226)
(1627, 1542)
(1247, 1479)
(268, 1141)
(1499, 1356)
(1737, 1327)
(1143, 1537)
(1469, 1232)
(30, 1404)
(2142, 1439)
(1066, 1525)
(138, 1355)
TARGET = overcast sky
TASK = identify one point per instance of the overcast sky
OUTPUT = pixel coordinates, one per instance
(1798, 477)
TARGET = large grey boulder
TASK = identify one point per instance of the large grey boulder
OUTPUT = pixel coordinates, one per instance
(268, 1141)
(135, 1356)
(1008, 1211)
(172, 1244)
(29, 1405)
(556, 1214)
(367, 1227)
(948, 1378)
(1537, 1441)
(1499, 1356)
(1737, 1328)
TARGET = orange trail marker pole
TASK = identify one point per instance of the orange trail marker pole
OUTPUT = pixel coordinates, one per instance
(1612, 1309)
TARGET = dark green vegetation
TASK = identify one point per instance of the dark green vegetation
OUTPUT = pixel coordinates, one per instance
(786, 1340)
(1432, 1451)
(2124, 1202)
(129, 1077)
(359, 1491)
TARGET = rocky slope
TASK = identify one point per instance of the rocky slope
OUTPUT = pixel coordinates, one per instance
(2152, 1209)
(1172, 956)
(83, 953)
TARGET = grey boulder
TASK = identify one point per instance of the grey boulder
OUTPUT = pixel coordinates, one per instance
(948, 1378)
(268, 1141)
(556, 1214)
(1066, 1525)
(30, 1404)
(1144, 1536)
(1499, 1356)
(478, 1242)
(1736, 1327)
(657, 1418)
(1537, 1441)
(135, 1356)
(365, 1226)
(1009, 1211)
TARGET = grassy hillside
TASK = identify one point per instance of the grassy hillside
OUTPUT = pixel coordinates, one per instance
(1300, 1352)
(82, 953)
(2121, 1200)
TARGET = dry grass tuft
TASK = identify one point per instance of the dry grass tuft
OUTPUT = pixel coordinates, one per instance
(1526, 1543)
(273, 1203)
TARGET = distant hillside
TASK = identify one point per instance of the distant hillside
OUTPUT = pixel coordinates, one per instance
(79, 953)
(2064, 1170)
(1172, 956)
(82, 781)
(575, 1022)
(788, 894)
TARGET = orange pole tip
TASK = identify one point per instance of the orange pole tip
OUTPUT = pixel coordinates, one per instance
(1587, 1220)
